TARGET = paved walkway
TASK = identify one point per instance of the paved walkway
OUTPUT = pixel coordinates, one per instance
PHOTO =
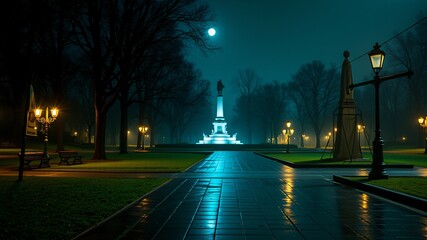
(240, 195)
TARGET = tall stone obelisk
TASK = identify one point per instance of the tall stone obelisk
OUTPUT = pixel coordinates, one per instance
(347, 145)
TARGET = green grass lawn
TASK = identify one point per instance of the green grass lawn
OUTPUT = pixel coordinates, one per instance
(61, 208)
(139, 162)
(131, 162)
(390, 157)
(416, 186)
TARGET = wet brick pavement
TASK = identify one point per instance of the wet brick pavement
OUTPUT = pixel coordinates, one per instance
(240, 195)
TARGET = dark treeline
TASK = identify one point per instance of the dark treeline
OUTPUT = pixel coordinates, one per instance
(307, 100)
(91, 56)
(403, 100)
(310, 98)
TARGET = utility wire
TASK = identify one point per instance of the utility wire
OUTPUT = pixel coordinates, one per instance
(395, 36)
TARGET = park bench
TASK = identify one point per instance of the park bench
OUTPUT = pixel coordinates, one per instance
(67, 155)
(35, 156)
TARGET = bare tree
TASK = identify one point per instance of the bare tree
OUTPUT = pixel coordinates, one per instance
(271, 108)
(409, 51)
(185, 104)
(248, 83)
(300, 113)
(318, 88)
(52, 43)
(115, 36)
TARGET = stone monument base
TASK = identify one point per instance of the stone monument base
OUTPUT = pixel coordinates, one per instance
(219, 138)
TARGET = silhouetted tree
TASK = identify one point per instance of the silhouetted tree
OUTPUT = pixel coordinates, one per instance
(409, 51)
(52, 44)
(19, 26)
(115, 35)
(185, 104)
(318, 88)
(271, 109)
(247, 82)
(300, 112)
(84, 117)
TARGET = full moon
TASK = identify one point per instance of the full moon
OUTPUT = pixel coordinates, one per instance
(211, 32)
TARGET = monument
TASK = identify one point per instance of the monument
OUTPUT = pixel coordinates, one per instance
(347, 145)
(219, 133)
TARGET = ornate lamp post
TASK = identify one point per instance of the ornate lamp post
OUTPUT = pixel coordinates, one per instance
(46, 121)
(143, 130)
(376, 57)
(288, 131)
(423, 123)
(378, 169)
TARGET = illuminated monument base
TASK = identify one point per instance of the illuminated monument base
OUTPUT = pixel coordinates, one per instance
(219, 134)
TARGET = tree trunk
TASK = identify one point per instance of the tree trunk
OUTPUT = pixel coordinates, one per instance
(317, 132)
(60, 134)
(124, 123)
(101, 120)
(302, 141)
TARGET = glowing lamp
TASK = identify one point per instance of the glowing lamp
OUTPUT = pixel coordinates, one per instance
(377, 58)
(54, 112)
(38, 112)
(421, 120)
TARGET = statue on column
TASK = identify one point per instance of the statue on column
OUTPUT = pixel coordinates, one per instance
(219, 87)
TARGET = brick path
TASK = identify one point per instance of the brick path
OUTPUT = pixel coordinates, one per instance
(240, 195)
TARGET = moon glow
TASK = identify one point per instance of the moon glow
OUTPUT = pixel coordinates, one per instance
(211, 32)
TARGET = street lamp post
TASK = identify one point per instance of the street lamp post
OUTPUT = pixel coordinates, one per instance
(423, 123)
(288, 131)
(46, 121)
(378, 169)
(376, 57)
(143, 130)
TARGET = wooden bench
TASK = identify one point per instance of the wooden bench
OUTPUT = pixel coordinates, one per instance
(35, 156)
(67, 155)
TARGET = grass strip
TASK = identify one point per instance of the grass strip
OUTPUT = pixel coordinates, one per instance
(61, 208)
(131, 162)
(416, 159)
(415, 186)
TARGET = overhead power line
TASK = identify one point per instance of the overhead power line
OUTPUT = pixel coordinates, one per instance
(395, 36)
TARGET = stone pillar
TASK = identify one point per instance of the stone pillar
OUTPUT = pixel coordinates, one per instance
(347, 145)
(219, 107)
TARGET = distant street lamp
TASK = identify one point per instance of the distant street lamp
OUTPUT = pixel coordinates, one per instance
(143, 130)
(360, 129)
(423, 123)
(302, 140)
(288, 131)
(46, 121)
(306, 138)
(376, 57)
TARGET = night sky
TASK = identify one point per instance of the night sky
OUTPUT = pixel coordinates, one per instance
(276, 37)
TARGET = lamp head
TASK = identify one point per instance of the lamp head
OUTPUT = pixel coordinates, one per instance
(421, 120)
(288, 124)
(54, 112)
(377, 58)
(38, 112)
